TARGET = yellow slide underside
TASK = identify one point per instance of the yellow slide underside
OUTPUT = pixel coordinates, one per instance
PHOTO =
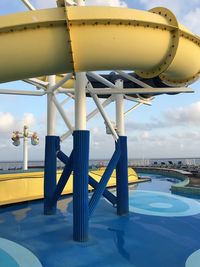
(18, 187)
(68, 39)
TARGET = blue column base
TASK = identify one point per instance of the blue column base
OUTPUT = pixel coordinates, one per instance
(122, 179)
(51, 147)
(80, 185)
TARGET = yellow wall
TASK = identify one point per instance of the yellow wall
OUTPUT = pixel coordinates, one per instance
(19, 187)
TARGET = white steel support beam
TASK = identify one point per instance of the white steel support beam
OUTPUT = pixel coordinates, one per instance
(21, 92)
(96, 110)
(103, 113)
(28, 5)
(60, 83)
(133, 108)
(120, 110)
(80, 94)
(99, 78)
(36, 82)
(51, 109)
(65, 101)
(105, 116)
(25, 148)
(80, 101)
(139, 100)
(62, 113)
(129, 91)
(133, 79)
(89, 117)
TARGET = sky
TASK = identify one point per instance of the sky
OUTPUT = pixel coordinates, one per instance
(169, 128)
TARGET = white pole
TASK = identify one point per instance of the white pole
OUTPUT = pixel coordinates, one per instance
(80, 101)
(28, 4)
(120, 110)
(80, 2)
(80, 96)
(25, 149)
(51, 109)
(62, 113)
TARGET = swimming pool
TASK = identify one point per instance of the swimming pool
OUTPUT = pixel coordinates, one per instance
(161, 230)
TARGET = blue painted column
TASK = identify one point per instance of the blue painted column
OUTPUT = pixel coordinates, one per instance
(122, 178)
(80, 185)
(51, 147)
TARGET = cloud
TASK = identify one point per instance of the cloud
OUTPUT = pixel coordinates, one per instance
(6, 121)
(176, 6)
(189, 115)
(186, 11)
(179, 117)
(162, 145)
(10, 123)
(40, 4)
(28, 119)
(52, 3)
(116, 3)
(192, 21)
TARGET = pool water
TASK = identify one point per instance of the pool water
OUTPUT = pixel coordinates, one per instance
(161, 230)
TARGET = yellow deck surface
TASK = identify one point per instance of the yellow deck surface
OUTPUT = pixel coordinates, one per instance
(18, 187)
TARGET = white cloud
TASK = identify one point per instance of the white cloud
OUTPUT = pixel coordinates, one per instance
(28, 119)
(10, 123)
(6, 121)
(192, 21)
(52, 3)
(40, 4)
(189, 115)
(176, 6)
(186, 11)
(116, 3)
(178, 117)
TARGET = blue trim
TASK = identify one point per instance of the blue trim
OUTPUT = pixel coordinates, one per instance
(107, 194)
(51, 147)
(104, 180)
(80, 185)
(63, 178)
(62, 157)
(122, 179)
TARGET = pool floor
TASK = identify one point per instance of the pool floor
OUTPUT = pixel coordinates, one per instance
(150, 236)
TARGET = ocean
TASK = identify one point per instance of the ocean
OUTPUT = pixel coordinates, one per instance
(17, 165)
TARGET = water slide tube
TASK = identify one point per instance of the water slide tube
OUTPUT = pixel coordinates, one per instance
(74, 39)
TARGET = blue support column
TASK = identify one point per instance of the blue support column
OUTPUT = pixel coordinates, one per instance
(104, 180)
(64, 177)
(80, 185)
(107, 194)
(122, 179)
(51, 148)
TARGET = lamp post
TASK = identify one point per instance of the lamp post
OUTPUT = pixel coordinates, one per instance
(16, 136)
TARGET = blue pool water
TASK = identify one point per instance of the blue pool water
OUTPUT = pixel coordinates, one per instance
(161, 230)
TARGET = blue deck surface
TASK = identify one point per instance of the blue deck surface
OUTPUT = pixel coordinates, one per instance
(158, 232)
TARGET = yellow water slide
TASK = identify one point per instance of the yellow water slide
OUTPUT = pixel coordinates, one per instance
(19, 187)
(73, 39)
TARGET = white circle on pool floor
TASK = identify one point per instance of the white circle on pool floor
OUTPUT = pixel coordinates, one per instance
(21, 255)
(162, 204)
(193, 260)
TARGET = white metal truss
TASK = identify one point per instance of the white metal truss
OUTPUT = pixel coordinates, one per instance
(60, 83)
(133, 79)
(62, 113)
(103, 113)
(147, 91)
(21, 92)
(133, 108)
(111, 89)
(38, 83)
(89, 116)
(28, 5)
